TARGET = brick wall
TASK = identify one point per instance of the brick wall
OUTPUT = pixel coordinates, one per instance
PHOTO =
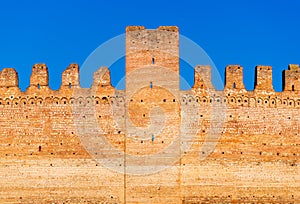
(193, 146)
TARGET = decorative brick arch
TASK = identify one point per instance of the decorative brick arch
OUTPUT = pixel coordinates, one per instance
(97, 101)
(80, 101)
(259, 102)
(16, 102)
(252, 102)
(71, 101)
(246, 101)
(291, 103)
(190, 99)
(48, 101)
(112, 100)
(56, 101)
(232, 100)
(31, 101)
(121, 99)
(278, 102)
(204, 100)
(64, 101)
(183, 100)
(266, 102)
(284, 103)
(39, 101)
(225, 100)
(89, 100)
(297, 103)
(218, 99)
(239, 101)
(273, 103)
(7, 101)
(23, 101)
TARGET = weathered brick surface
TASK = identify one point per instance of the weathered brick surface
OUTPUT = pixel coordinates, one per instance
(244, 146)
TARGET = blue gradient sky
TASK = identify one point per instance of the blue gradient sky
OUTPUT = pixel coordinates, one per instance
(58, 33)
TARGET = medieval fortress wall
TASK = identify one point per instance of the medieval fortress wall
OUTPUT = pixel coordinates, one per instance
(201, 145)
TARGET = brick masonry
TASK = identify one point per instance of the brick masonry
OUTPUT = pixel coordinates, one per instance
(193, 146)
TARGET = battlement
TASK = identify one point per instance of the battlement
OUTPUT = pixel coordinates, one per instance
(263, 78)
(291, 78)
(9, 78)
(39, 75)
(234, 77)
(202, 78)
(70, 76)
(102, 77)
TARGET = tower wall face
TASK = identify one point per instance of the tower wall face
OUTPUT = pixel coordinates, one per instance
(152, 56)
(253, 158)
(152, 48)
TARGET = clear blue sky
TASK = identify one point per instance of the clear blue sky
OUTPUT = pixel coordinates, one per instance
(231, 32)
